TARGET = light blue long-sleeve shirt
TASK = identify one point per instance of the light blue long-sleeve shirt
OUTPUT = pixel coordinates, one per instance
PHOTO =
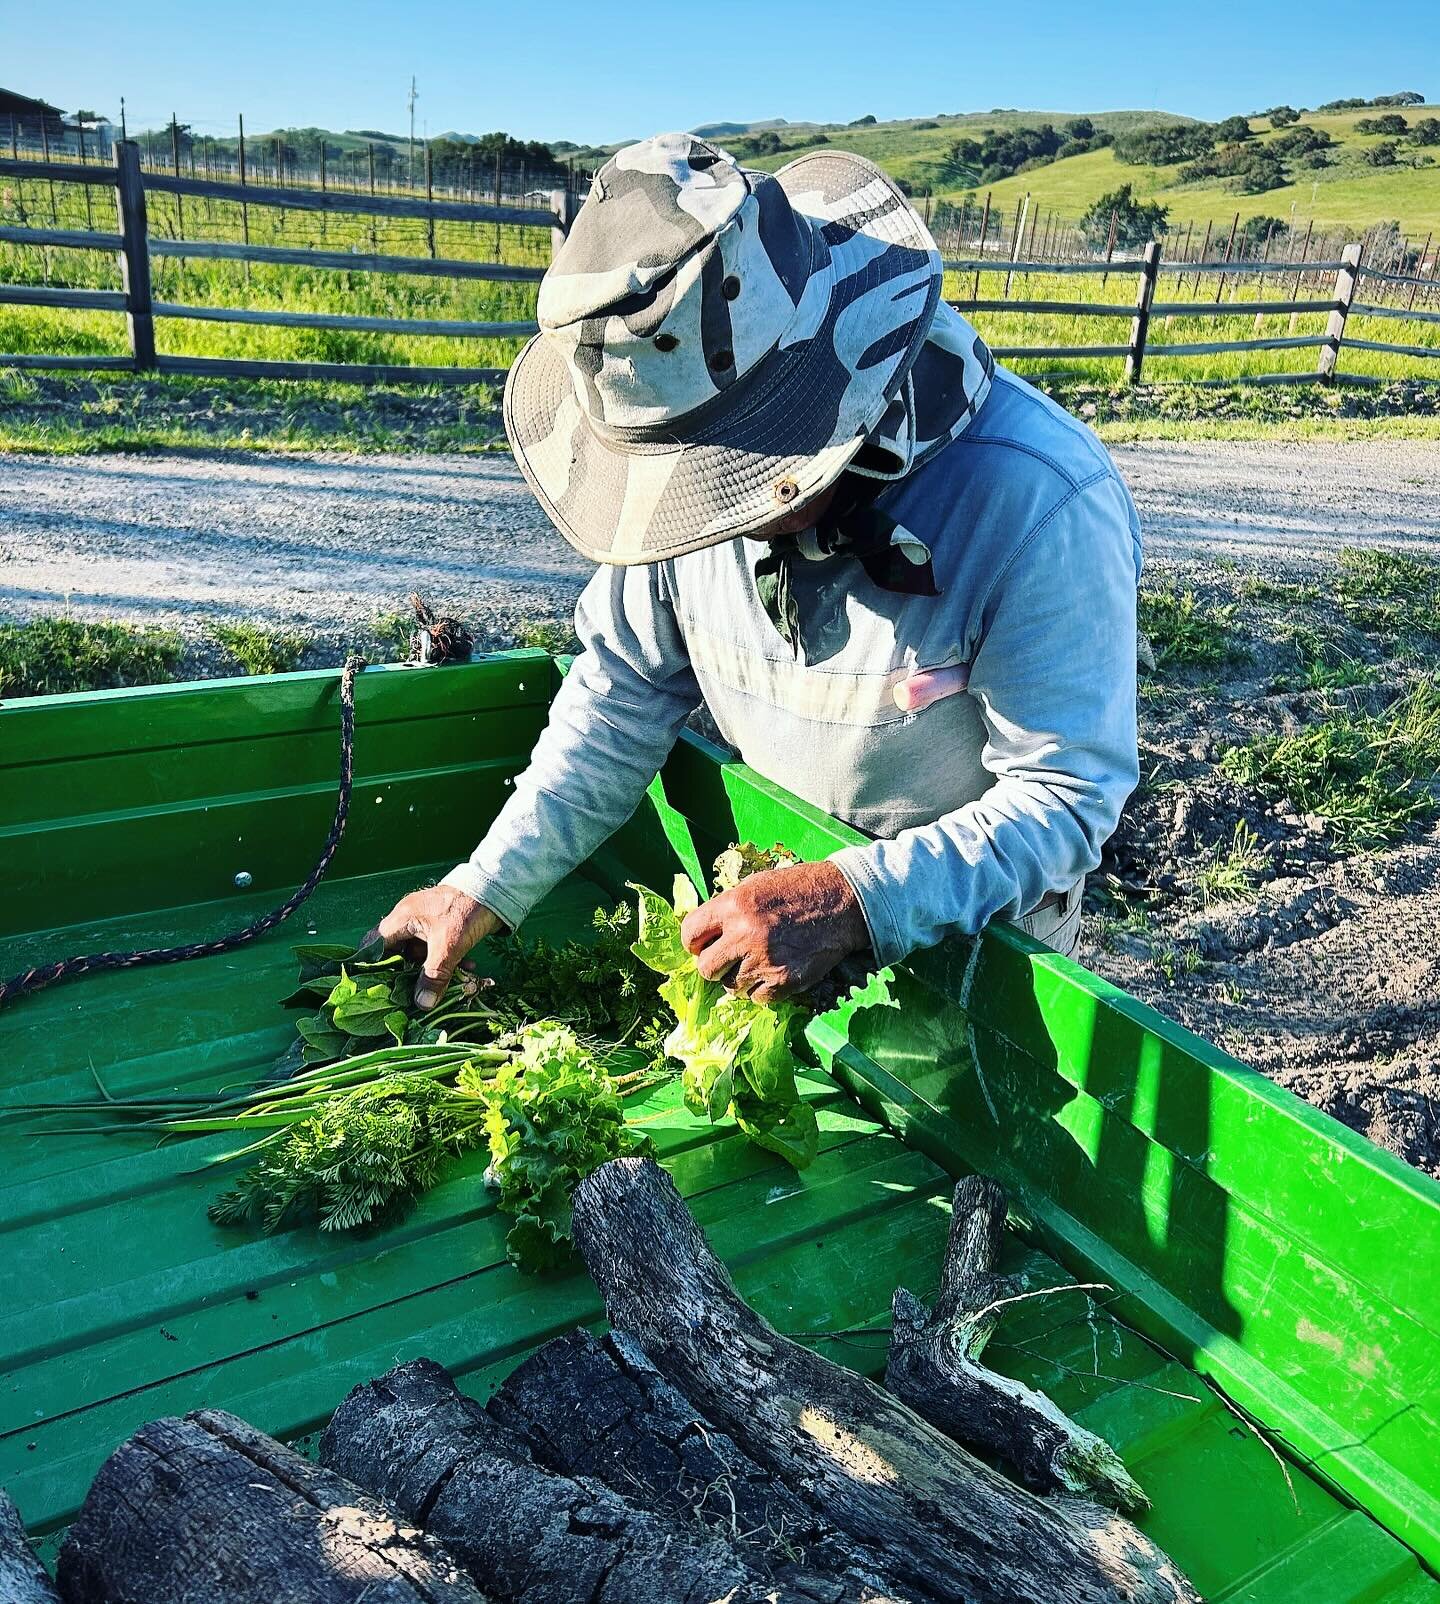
(981, 802)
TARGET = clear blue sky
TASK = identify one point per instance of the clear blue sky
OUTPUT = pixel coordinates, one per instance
(558, 69)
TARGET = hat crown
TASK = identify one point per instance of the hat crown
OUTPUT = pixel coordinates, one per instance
(681, 271)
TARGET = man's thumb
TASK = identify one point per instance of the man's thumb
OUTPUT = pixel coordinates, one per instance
(430, 988)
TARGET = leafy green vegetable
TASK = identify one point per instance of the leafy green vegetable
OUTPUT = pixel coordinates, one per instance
(598, 987)
(738, 1055)
(552, 1115)
(362, 994)
(735, 863)
(362, 1152)
(373, 1097)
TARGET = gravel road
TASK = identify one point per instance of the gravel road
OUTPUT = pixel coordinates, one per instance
(324, 542)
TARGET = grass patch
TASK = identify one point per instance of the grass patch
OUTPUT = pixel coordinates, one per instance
(260, 651)
(75, 414)
(395, 633)
(1389, 592)
(52, 656)
(549, 634)
(1184, 632)
(1257, 588)
(1323, 665)
(1368, 776)
(1232, 872)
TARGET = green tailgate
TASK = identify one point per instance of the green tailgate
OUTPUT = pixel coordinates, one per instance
(1248, 1240)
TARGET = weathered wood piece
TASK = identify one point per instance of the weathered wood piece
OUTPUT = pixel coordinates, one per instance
(22, 1576)
(536, 1537)
(934, 1365)
(207, 1510)
(596, 1407)
(938, 1518)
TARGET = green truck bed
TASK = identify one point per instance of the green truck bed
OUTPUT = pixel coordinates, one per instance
(1266, 1265)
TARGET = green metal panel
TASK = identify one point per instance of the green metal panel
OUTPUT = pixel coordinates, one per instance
(1274, 1249)
(1243, 1233)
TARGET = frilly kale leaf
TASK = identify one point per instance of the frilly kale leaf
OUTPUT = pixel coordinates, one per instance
(551, 1116)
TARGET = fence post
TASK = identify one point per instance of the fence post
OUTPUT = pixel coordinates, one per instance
(1345, 282)
(1140, 323)
(560, 205)
(1017, 244)
(134, 254)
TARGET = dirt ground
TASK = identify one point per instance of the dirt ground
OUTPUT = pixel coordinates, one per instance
(1316, 963)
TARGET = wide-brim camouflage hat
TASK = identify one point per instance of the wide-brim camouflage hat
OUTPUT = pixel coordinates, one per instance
(714, 344)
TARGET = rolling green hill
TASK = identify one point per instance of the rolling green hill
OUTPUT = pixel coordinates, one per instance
(1349, 193)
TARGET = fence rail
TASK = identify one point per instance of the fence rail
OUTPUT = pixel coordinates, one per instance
(1349, 271)
(134, 246)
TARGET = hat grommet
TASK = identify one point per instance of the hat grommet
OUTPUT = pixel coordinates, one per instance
(730, 287)
(665, 342)
(785, 491)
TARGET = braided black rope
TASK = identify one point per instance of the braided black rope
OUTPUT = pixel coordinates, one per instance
(29, 980)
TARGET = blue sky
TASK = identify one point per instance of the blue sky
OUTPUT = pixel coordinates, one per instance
(559, 69)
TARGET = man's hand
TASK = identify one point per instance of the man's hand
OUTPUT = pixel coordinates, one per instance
(777, 932)
(436, 928)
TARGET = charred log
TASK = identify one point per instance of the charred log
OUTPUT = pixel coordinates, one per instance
(22, 1576)
(934, 1365)
(596, 1407)
(207, 1510)
(536, 1537)
(937, 1517)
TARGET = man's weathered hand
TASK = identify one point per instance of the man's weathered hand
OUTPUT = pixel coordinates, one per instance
(436, 928)
(777, 932)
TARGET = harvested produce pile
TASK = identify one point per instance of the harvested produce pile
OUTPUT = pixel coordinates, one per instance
(374, 1096)
(691, 1454)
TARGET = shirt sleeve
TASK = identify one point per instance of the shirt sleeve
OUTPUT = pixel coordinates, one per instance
(1054, 675)
(611, 726)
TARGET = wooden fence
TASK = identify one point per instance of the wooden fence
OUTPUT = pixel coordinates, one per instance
(1350, 271)
(134, 246)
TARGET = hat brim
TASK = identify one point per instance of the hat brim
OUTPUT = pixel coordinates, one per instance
(796, 422)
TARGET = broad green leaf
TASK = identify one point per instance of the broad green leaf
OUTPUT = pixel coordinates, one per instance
(309, 992)
(395, 1023)
(658, 944)
(791, 1131)
(709, 1085)
(532, 1245)
(320, 1035)
(767, 1058)
(366, 1011)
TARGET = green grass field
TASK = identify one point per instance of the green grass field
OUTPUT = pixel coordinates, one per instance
(26, 329)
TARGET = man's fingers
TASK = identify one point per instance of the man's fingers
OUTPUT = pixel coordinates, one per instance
(395, 927)
(701, 926)
(719, 960)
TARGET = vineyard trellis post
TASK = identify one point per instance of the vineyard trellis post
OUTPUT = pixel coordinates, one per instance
(1140, 323)
(1345, 281)
(134, 255)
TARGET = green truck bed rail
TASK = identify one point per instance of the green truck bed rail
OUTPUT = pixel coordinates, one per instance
(1267, 1359)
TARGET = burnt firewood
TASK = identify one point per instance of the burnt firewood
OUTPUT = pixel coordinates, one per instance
(938, 1518)
(535, 1536)
(22, 1576)
(934, 1365)
(596, 1407)
(207, 1510)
